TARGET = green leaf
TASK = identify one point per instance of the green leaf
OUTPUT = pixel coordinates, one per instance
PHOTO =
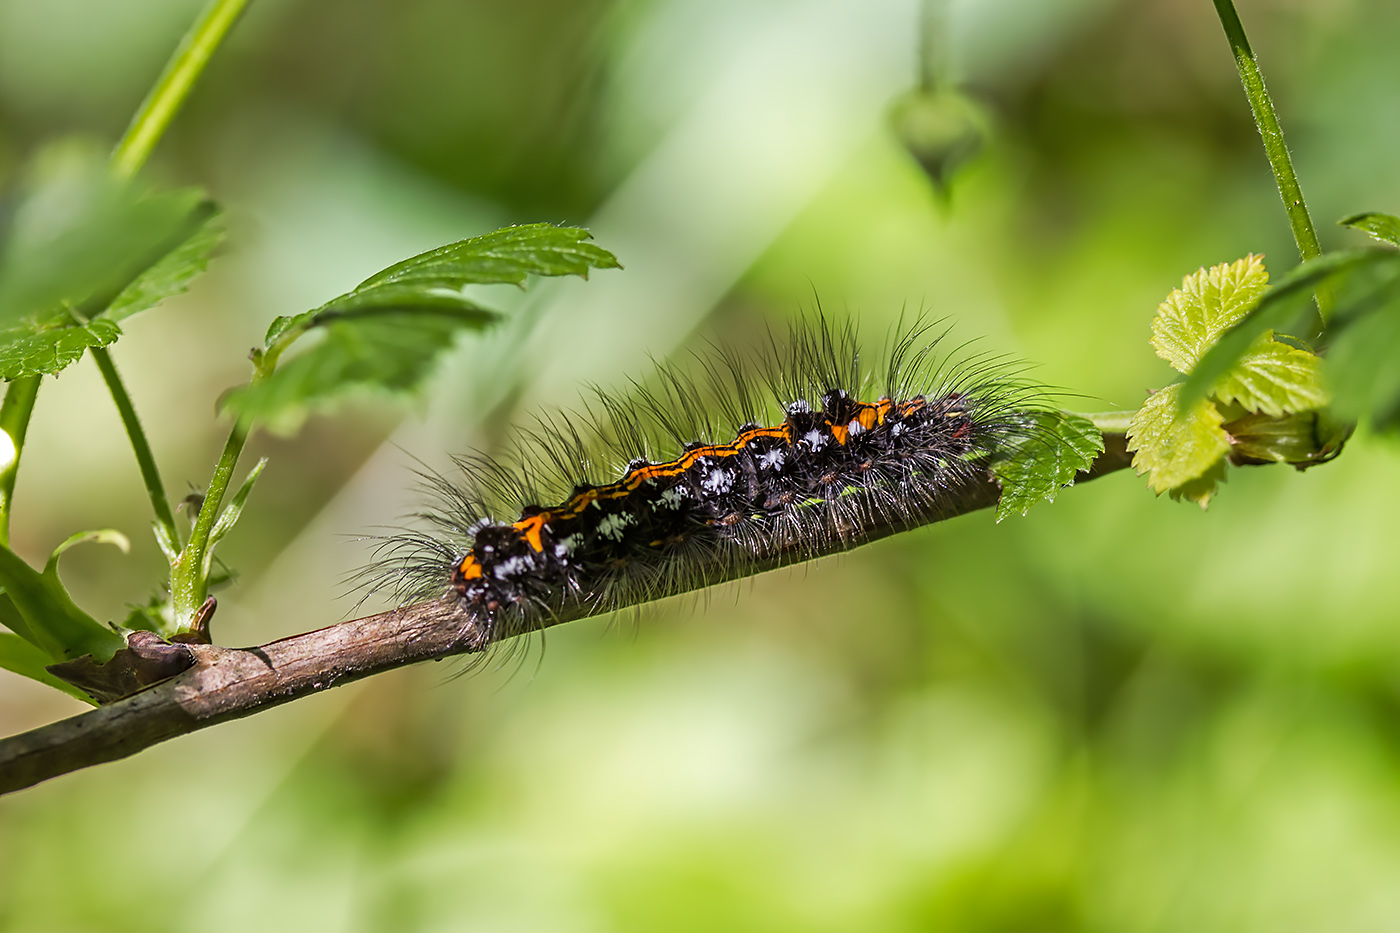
(1274, 378)
(435, 279)
(1174, 448)
(56, 625)
(1384, 227)
(387, 333)
(80, 236)
(388, 354)
(229, 516)
(20, 657)
(1058, 446)
(87, 252)
(29, 349)
(1286, 309)
(101, 536)
(1363, 365)
(1208, 302)
(1203, 488)
(173, 273)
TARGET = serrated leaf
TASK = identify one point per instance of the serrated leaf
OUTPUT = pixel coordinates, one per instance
(435, 279)
(391, 354)
(1384, 227)
(386, 334)
(1058, 446)
(1173, 448)
(1275, 379)
(1208, 302)
(504, 256)
(20, 657)
(1286, 309)
(44, 349)
(173, 273)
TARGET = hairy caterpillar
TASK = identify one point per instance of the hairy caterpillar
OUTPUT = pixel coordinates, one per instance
(639, 498)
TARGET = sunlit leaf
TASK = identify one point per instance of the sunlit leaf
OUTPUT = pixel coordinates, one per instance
(1286, 309)
(434, 280)
(1208, 302)
(386, 334)
(1172, 448)
(1274, 378)
(1058, 447)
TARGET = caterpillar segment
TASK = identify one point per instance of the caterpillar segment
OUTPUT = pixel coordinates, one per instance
(720, 496)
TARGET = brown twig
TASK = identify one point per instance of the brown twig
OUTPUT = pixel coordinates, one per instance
(230, 683)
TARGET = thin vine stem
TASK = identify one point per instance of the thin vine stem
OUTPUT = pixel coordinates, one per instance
(1266, 119)
(14, 422)
(190, 587)
(174, 85)
(144, 458)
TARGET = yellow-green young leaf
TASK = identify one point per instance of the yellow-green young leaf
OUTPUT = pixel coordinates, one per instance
(1208, 302)
(1275, 379)
(1203, 488)
(1173, 448)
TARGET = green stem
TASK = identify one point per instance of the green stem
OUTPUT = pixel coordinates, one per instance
(190, 588)
(1114, 422)
(14, 422)
(144, 458)
(1304, 234)
(170, 91)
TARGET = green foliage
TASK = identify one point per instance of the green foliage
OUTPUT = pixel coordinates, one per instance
(1181, 439)
(173, 272)
(1384, 227)
(1208, 302)
(20, 657)
(1286, 309)
(87, 251)
(388, 332)
(1274, 378)
(1174, 448)
(44, 614)
(1057, 447)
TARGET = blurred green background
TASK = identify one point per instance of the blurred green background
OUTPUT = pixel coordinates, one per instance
(1117, 714)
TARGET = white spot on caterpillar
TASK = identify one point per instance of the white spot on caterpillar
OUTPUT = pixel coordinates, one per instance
(814, 439)
(799, 407)
(513, 567)
(717, 481)
(670, 498)
(566, 547)
(772, 459)
(897, 429)
(855, 427)
(612, 525)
